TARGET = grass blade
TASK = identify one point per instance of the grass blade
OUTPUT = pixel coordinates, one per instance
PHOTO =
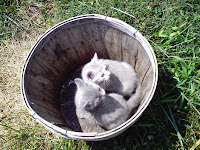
(9, 128)
(173, 124)
(190, 103)
(173, 120)
(13, 21)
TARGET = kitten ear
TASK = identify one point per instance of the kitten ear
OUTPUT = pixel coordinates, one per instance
(79, 82)
(95, 58)
(90, 75)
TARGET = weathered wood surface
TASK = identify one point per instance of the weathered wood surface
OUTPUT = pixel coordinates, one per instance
(113, 42)
(129, 49)
(94, 35)
(66, 51)
(144, 70)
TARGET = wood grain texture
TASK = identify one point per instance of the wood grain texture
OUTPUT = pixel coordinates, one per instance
(143, 67)
(113, 43)
(129, 49)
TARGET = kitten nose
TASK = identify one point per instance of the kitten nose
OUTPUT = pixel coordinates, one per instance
(102, 97)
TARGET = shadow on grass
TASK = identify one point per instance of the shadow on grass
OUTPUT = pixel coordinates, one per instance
(153, 130)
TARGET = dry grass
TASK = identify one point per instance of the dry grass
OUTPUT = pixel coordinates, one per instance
(13, 53)
(12, 56)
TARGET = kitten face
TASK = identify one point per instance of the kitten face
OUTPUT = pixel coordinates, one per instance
(89, 94)
(95, 71)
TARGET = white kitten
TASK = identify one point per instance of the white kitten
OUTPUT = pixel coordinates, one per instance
(113, 76)
(107, 110)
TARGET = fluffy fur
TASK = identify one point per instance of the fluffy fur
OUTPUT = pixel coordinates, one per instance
(113, 76)
(107, 110)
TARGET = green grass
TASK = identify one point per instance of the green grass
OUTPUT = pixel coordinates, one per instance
(172, 27)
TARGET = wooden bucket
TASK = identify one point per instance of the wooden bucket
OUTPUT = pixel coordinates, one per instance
(71, 44)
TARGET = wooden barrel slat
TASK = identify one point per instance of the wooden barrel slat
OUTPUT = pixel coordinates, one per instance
(38, 94)
(147, 84)
(59, 53)
(94, 34)
(41, 101)
(46, 88)
(78, 41)
(44, 82)
(37, 69)
(49, 115)
(65, 51)
(142, 63)
(113, 42)
(129, 49)
(49, 63)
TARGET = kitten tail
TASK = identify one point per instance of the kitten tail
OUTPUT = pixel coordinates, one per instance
(135, 98)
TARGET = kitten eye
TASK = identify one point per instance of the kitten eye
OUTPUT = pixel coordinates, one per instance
(90, 75)
(88, 107)
(102, 75)
(99, 89)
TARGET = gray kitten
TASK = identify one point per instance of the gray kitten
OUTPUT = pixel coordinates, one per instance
(113, 76)
(107, 110)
